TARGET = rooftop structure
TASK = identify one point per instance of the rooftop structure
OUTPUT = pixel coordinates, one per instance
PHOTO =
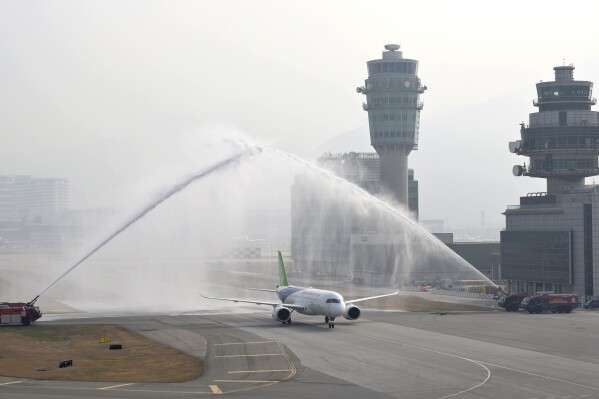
(562, 138)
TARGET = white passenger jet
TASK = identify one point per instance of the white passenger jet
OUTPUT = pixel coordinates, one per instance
(308, 301)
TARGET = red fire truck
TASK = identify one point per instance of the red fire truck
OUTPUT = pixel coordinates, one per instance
(555, 303)
(12, 313)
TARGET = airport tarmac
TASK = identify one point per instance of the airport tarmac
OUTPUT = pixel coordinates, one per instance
(385, 355)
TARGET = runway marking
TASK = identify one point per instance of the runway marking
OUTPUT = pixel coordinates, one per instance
(246, 343)
(474, 387)
(215, 389)
(479, 362)
(122, 390)
(254, 381)
(10, 383)
(116, 386)
(293, 369)
(541, 376)
(262, 354)
(291, 374)
(259, 371)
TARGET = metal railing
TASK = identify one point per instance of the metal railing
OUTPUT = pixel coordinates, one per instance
(564, 99)
(532, 206)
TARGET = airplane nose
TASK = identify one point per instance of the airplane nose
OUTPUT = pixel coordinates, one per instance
(339, 308)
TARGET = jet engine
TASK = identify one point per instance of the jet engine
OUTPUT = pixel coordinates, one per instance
(352, 312)
(281, 314)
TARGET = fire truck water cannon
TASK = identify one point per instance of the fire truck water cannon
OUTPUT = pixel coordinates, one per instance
(19, 313)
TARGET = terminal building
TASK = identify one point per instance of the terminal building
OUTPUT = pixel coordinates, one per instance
(329, 235)
(551, 242)
(29, 205)
(32, 198)
(364, 170)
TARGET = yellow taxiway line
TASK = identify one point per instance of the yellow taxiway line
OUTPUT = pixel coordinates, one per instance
(246, 343)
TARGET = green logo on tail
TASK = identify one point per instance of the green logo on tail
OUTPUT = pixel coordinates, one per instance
(282, 274)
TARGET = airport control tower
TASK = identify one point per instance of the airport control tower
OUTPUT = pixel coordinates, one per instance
(392, 101)
(550, 242)
(562, 139)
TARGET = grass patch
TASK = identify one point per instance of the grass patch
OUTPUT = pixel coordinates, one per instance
(34, 332)
(36, 351)
(413, 303)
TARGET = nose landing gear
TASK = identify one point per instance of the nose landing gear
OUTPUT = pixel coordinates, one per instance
(330, 320)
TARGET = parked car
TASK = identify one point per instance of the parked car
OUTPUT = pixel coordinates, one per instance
(592, 304)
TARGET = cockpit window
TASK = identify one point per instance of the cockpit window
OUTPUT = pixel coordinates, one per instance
(332, 300)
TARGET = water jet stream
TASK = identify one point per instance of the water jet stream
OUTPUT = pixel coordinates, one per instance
(186, 181)
(249, 151)
(385, 206)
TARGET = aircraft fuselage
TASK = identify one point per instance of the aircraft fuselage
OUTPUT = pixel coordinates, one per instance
(316, 302)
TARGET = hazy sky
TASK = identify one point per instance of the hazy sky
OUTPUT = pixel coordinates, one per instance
(100, 91)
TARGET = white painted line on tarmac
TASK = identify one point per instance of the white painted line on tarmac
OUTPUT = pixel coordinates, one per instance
(253, 381)
(245, 343)
(259, 371)
(540, 376)
(263, 354)
(477, 362)
(44, 387)
(10, 383)
(116, 386)
(215, 389)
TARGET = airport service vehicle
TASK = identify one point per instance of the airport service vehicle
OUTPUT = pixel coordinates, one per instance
(18, 313)
(554, 303)
(511, 303)
(308, 301)
(592, 304)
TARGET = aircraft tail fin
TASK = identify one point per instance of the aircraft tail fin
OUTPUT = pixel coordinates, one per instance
(282, 274)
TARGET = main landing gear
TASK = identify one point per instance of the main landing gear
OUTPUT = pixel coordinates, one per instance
(287, 322)
(330, 320)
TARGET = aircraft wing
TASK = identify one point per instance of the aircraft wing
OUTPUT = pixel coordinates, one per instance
(372, 297)
(273, 304)
(262, 289)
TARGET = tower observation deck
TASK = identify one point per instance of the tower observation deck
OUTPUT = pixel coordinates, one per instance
(392, 93)
(562, 139)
